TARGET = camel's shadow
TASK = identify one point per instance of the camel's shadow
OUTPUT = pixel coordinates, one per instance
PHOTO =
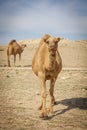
(72, 103)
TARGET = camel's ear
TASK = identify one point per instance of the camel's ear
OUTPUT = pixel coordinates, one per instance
(45, 37)
(57, 40)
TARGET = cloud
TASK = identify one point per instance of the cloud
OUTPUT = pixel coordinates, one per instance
(38, 17)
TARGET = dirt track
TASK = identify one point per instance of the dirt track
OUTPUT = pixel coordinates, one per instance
(20, 99)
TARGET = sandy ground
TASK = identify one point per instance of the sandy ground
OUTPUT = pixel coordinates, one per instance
(20, 91)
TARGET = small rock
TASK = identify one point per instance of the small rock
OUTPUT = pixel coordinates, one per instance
(7, 76)
(37, 93)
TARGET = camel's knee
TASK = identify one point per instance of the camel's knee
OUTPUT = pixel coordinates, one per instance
(43, 95)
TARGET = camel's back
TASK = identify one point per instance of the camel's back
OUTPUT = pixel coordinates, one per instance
(13, 43)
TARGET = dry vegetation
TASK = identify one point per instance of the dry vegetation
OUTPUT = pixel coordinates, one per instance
(20, 91)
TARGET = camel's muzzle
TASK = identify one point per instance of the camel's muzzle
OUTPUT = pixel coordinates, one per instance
(52, 48)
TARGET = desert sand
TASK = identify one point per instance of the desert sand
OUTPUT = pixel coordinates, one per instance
(20, 90)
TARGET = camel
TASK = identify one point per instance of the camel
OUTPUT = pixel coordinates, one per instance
(47, 64)
(13, 49)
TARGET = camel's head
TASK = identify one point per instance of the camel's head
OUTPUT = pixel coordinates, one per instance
(22, 47)
(51, 42)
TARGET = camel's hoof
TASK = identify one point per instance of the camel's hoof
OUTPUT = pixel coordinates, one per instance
(41, 116)
(44, 117)
(50, 110)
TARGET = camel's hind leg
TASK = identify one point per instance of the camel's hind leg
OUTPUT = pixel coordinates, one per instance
(40, 106)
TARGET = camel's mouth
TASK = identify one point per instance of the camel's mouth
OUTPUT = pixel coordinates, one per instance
(52, 49)
(52, 53)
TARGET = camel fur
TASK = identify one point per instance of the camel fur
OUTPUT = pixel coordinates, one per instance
(47, 64)
(13, 49)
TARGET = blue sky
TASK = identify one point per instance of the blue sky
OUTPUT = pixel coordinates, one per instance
(26, 19)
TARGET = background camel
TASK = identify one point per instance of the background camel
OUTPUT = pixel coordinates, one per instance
(46, 65)
(13, 49)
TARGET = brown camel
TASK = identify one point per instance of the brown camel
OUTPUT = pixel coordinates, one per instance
(47, 64)
(13, 49)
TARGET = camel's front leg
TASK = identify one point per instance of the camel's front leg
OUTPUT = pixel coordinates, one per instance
(20, 59)
(43, 93)
(51, 91)
(14, 60)
(9, 61)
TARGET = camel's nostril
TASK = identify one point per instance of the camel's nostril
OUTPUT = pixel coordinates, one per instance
(52, 48)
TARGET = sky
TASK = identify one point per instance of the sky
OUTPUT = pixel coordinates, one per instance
(27, 19)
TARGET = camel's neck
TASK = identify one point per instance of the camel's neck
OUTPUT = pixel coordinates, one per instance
(51, 60)
(22, 49)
